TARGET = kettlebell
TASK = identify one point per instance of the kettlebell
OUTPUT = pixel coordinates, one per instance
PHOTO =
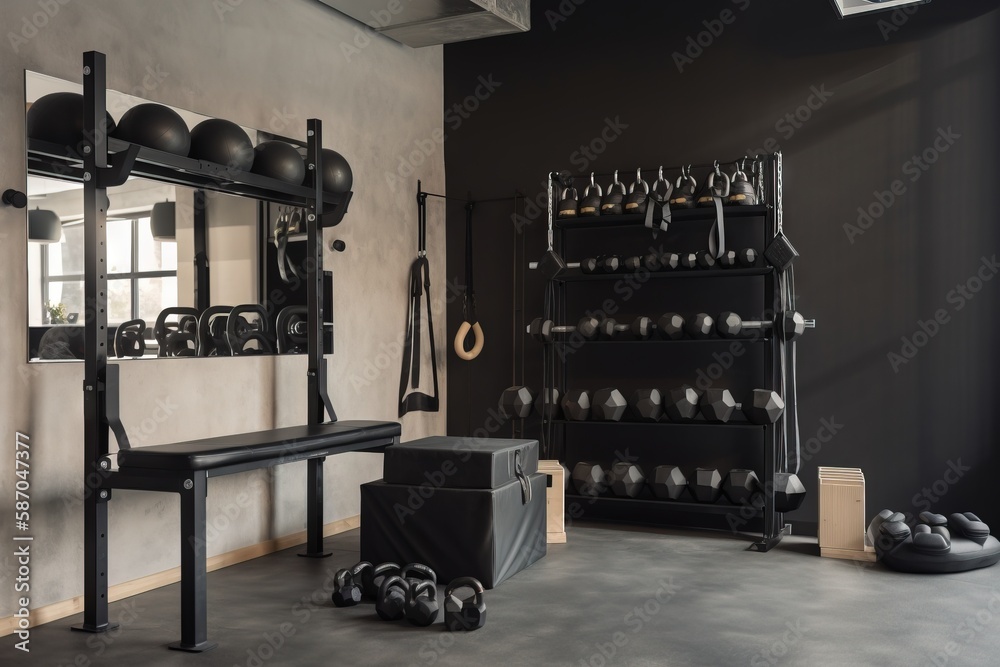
(611, 203)
(741, 192)
(590, 205)
(346, 593)
(423, 573)
(636, 200)
(421, 603)
(364, 575)
(464, 614)
(661, 184)
(379, 574)
(716, 185)
(684, 190)
(569, 204)
(390, 604)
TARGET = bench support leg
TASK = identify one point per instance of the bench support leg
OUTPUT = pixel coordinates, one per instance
(314, 510)
(194, 575)
(95, 565)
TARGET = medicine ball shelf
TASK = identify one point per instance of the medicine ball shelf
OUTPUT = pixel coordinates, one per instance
(730, 445)
(684, 215)
(54, 161)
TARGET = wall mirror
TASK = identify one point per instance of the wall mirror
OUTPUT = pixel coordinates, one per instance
(174, 254)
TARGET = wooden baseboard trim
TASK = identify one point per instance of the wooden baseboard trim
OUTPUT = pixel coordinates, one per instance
(59, 610)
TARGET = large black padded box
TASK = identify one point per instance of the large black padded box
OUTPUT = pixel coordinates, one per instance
(460, 463)
(490, 534)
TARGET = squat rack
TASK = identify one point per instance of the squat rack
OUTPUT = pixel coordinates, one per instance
(100, 162)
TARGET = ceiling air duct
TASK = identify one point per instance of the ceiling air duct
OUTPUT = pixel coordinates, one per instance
(856, 7)
(430, 22)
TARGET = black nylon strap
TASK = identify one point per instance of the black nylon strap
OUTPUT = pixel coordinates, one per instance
(717, 236)
(469, 299)
(420, 282)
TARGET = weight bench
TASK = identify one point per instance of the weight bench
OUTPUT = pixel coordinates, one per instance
(185, 467)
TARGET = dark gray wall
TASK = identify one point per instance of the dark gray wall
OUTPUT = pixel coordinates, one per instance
(893, 84)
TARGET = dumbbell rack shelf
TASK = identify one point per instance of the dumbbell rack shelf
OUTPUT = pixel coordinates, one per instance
(695, 423)
(574, 275)
(661, 341)
(736, 444)
(720, 507)
(634, 220)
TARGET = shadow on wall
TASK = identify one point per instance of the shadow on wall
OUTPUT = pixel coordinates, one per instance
(885, 134)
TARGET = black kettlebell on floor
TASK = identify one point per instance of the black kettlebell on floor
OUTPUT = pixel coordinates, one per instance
(590, 205)
(391, 602)
(346, 593)
(364, 575)
(569, 205)
(421, 603)
(464, 614)
(379, 574)
(684, 190)
(638, 193)
(716, 185)
(741, 192)
(611, 203)
(422, 572)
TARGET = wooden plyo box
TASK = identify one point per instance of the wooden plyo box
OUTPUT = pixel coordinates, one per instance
(555, 501)
(842, 515)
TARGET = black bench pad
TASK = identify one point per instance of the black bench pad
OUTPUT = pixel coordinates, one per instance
(210, 453)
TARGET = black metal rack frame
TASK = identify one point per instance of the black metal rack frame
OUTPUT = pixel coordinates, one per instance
(100, 162)
(772, 521)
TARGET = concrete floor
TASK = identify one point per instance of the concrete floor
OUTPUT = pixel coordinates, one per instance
(610, 596)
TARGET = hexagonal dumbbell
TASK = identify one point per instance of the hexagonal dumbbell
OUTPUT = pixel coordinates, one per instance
(626, 479)
(647, 405)
(743, 487)
(745, 258)
(516, 402)
(608, 405)
(717, 405)
(706, 486)
(576, 405)
(681, 404)
(789, 325)
(689, 260)
(668, 482)
(547, 404)
(765, 407)
(700, 326)
(545, 330)
(642, 328)
(589, 479)
(670, 326)
(706, 260)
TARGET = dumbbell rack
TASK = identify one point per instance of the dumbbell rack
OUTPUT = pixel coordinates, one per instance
(697, 443)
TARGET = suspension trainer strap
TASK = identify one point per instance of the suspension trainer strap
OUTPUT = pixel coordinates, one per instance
(420, 283)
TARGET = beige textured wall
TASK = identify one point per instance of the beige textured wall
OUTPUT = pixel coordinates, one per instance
(262, 64)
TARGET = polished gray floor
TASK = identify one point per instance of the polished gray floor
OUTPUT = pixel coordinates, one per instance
(611, 596)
